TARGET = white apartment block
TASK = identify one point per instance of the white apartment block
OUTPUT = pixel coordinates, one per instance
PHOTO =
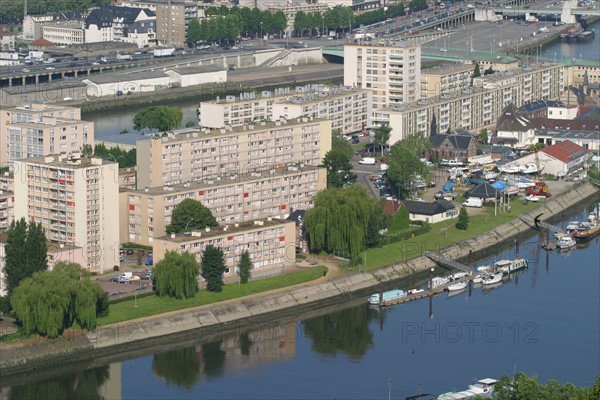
(77, 202)
(392, 71)
(271, 244)
(236, 198)
(445, 80)
(35, 130)
(188, 155)
(476, 107)
(32, 26)
(64, 33)
(121, 24)
(349, 109)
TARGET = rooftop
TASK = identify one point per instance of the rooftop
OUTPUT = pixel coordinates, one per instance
(565, 151)
(197, 69)
(447, 69)
(224, 230)
(50, 122)
(44, 87)
(41, 42)
(387, 43)
(68, 161)
(569, 134)
(64, 24)
(425, 208)
(132, 77)
(225, 179)
(457, 141)
(185, 134)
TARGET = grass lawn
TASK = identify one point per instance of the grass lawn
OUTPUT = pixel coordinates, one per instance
(443, 234)
(153, 305)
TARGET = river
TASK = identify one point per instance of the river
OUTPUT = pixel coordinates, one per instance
(544, 322)
(559, 50)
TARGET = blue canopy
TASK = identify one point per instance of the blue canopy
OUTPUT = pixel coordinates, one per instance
(448, 187)
(499, 185)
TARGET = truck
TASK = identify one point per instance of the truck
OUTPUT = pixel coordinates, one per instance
(473, 202)
(167, 52)
(367, 161)
(124, 57)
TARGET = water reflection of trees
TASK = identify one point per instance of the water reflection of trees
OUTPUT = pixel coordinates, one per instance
(82, 385)
(346, 331)
(179, 367)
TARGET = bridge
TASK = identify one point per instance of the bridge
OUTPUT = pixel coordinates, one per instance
(568, 12)
(444, 262)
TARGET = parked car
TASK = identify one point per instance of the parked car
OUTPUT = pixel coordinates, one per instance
(120, 279)
(134, 278)
(129, 252)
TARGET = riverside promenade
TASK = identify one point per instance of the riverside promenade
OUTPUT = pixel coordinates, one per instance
(140, 336)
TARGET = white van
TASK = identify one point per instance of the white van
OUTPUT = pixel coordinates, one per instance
(127, 275)
(473, 202)
(367, 161)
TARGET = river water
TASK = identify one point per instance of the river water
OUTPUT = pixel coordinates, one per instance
(559, 50)
(544, 322)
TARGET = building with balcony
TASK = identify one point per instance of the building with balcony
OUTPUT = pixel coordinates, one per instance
(231, 198)
(348, 109)
(37, 129)
(7, 212)
(121, 24)
(172, 22)
(446, 80)
(32, 24)
(271, 244)
(77, 202)
(476, 107)
(193, 154)
(392, 70)
(128, 178)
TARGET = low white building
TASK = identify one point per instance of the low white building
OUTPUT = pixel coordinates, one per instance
(126, 84)
(558, 159)
(436, 211)
(190, 76)
(589, 140)
(64, 33)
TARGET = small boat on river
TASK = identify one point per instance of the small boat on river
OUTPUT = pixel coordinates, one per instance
(492, 279)
(566, 242)
(458, 286)
(510, 266)
(390, 295)
(484, 388)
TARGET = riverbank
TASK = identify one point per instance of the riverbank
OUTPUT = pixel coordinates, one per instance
(142, 334)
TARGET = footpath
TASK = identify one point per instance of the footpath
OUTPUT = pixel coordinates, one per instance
(141, 335)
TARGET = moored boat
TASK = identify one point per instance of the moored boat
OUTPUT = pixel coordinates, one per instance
(491, 279)
(415, 291)
(589, 232)
(566, 242)
(483, 388)
(510, 266)
(438, 281)
(458, 286)
(387, 296)
(585, 36)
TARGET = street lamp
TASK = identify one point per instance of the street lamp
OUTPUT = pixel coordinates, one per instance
(261, 35)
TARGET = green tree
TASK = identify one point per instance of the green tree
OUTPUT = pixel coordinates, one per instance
(377, 221)
(280, 21)
(190, 124)
(382, 136)
(123, 157)
(463, 219)
(190, 215)
(194, 31)
(526, 387)
(476, 71)
(50, 302)
(176, 275)
(87, 150)
(484, 136)
(339, 220)
(25, 252)
(162, 118)
(337, 161)
(400, 220)
(213, 268)
(245, 266)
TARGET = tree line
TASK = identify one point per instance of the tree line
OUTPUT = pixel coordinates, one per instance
(125, 158)
(11, 11)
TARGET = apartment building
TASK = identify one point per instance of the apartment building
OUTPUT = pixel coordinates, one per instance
(7, 40)
(349, 109)
(64, 32)
(32, 24)
(7, 212)
(392, 70)
(271, 244)
(188, 155)
(172, 22)
(476, 107)
(37, 129)
(128, 178)
(121, 24)
(445, 80)
(77, 202)
(274, 193)
(580, 71)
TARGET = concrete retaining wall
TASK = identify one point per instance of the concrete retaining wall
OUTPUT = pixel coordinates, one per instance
(140, 334)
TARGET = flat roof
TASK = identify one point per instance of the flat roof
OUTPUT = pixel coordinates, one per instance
(61, 160)
(225, 179)
(199, 69)
(44, 124)
(225, 230)
(569, 134)
(314, 97)
(182, 135)
(44, 87)
(447, 69)
(132, 77)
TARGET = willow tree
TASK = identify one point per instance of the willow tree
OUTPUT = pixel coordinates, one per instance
(50, 302)
(177, 275)
(339, 220)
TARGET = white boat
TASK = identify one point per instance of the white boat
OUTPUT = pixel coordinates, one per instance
(566, 242)
(484, 268)
(533, 198)
(484, 388)
(572, 226)
(458, 286)
(512, 190)
(559, 235)
(415, 291)
(509, 266)
(509, 169)
(491, 175)
(387, 296)
(478, 279)
(530, 168)
(457, 276)
(492, 279)
(438, 281)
